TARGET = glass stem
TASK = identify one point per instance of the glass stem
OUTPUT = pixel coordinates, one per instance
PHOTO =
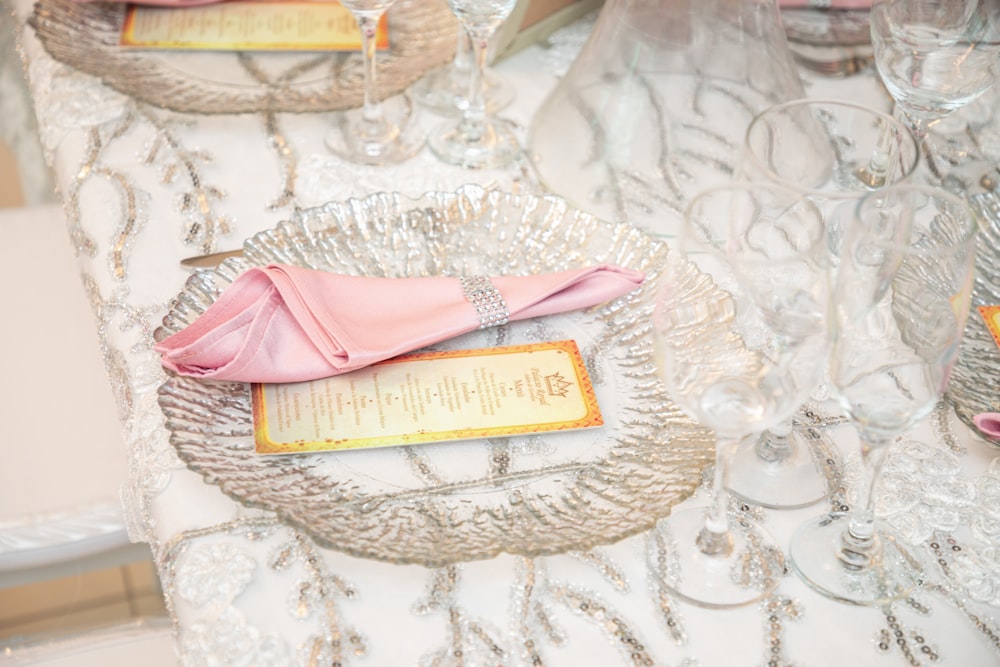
(474, 116)
(371, 112)
(879, 170)
(858, 545)
(463, 52)
(920, 130)
(916, 125)
(775, 444)
(714, 538)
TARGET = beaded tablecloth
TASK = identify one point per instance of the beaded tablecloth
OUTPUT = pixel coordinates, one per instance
(144, 187)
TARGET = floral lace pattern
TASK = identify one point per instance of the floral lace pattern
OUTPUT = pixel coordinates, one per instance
(924, 493)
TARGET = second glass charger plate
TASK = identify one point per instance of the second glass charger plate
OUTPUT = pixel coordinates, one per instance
(975, 381)
(86, 35)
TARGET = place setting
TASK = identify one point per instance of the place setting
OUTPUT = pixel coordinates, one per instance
(831, 41)
(358, 497)
(242, 57)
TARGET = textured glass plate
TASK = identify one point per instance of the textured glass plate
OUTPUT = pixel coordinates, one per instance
(975, 382)
(827, 27)
(85, 35)
(442, 503)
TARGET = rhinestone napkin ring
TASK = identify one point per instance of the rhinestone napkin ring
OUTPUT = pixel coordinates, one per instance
(486, 299)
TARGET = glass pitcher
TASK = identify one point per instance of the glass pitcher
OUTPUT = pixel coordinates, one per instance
(655, 106)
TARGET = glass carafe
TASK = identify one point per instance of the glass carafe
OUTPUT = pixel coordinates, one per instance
(655, 106)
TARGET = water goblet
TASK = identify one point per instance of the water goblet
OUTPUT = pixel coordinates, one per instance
(740, 337)
(381, 131)
(900, 304)
(478, 141)
(935, 56)
(446, 89)
(824, 150)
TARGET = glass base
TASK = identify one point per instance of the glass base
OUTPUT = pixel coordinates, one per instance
(446, 91)
(893, 573)
(748, 572)
(395, 139)
(495, 147)
(792, 483)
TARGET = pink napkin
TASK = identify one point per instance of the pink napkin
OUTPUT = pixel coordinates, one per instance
(161, 3)
(288, 324)
(820, 4)
(988, 423)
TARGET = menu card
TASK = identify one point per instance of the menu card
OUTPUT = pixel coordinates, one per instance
(430, 397)
(992, 316)
(248, 26)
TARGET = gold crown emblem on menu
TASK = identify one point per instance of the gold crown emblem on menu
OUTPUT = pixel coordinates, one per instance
(557, 386)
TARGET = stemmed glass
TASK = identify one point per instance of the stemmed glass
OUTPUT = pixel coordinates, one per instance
(900, 304)
(446, 89)
(376, 133)
(823, 150)
(935, 56)
(478, 141)
(740, 336)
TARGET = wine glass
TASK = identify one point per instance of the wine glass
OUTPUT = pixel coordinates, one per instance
(824, 150)
(381, 131)
(740, 336)
(900, 304)
(446, 89)
(935, 56)
(478, 141)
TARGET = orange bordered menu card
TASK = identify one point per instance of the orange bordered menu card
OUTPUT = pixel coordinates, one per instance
(248, 25)
(992, 316)
(430, 397)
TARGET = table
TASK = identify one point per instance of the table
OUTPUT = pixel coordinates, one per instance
(144, 187)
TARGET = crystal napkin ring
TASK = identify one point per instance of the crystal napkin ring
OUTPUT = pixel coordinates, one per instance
(486, 299)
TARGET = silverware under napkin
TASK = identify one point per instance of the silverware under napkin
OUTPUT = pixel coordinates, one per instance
(211, 260)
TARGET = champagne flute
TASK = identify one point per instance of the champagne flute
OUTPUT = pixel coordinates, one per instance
(900, 305)
(741, 337)
(935, 56)
(478, 141)
(381, 131)
(446, 89)
(823, 150)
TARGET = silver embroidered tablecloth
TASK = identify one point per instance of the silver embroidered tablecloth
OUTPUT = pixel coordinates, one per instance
(144, 187)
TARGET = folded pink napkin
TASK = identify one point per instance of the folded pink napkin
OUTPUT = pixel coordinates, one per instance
(826, 4)
(288, 324)
(988, 423)
(161, 3)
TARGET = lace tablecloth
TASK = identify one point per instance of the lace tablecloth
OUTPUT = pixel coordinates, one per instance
(144, 187)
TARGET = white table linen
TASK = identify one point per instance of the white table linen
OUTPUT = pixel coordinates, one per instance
(243, 589)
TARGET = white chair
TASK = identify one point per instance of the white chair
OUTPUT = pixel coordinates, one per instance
(62, 457)
(149, 644)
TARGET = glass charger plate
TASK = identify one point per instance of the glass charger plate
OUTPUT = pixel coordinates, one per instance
(442, 503)
(85, 35)
(975, 381)
(827, 27)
